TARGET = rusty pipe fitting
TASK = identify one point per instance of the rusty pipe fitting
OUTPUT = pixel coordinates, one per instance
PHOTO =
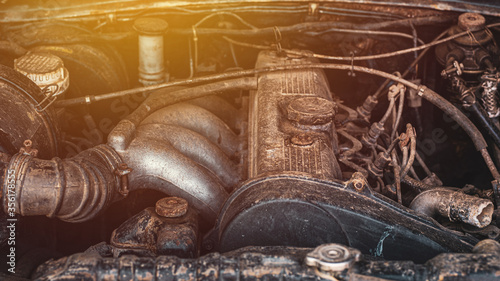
(454, 205)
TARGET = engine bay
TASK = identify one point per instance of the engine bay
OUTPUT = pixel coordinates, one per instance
(249, 140)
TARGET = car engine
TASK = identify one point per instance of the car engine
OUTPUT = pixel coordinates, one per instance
(249, 140)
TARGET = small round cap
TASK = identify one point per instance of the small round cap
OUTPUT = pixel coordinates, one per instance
(332, 257)
(471, 21)
(44, 69)
(311, 110)
(171, 207)
(150, 26)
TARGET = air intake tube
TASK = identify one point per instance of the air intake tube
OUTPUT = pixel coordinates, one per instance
(73, 189)
(180, 149)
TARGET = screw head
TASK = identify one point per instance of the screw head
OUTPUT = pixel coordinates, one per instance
(171, 207)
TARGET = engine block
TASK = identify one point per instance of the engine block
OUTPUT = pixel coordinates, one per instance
(291, 122)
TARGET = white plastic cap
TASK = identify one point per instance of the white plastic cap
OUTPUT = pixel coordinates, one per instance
(44, 69)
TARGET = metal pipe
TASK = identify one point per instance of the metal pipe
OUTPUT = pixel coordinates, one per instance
(416, 185)
(73, 190)
(77, 189)
(413, 151)
(424, 92)
(198, 120)
(454, 205)
(158, 165)
(222, 109)
(197, 148)
(356, 144)
(397, 176)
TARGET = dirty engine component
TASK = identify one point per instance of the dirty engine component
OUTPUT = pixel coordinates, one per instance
(249, 140)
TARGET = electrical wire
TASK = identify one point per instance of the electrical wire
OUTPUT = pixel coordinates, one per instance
(365, 32)
(400, 112)
(359, 58)
(240, 19)
(424, 92)
(359, 12)
(411, 159)
(384, 55)
(384, 118)
(397, 177)
(203, 20)
(379, 91)
(311, 26)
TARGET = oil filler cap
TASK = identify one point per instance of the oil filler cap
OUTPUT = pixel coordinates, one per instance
(311, 110)
(46, 70)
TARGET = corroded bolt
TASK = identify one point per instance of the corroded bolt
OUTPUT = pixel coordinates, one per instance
(171, 207)
(358, 185)
(358, 181)
(28, 143)
(28, 148)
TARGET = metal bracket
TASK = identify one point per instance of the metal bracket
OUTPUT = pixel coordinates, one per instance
(122, 171)
(50, 97)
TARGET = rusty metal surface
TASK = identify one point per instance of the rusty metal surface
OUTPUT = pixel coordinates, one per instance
(149, 234)
(454, 205)
(286, 107)
(274, 158)
(20, 121)
(158, 165)
(197, 120)
(337, 211)
(266, 263)
(183, 150)
(74, 189)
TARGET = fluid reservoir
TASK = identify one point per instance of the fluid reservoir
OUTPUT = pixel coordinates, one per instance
(151, 59)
